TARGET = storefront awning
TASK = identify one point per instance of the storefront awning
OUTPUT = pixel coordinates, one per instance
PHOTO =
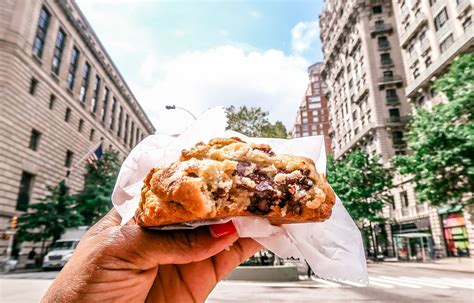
(450, 208)
(413, 235)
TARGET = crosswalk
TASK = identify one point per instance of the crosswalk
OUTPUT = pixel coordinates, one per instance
(403, 282)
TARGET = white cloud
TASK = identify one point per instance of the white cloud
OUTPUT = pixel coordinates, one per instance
(226, 75)
(304, 35)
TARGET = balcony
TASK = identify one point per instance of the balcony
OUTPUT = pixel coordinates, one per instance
(419, 22)
(463, 5)
(398, 142)
(381, 29)
(397, 120)
(392, 100)
(390, 80)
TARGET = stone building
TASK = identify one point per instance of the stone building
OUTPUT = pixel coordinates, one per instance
(312, 115)
(61, 95)
(376, 64)
(431, 34)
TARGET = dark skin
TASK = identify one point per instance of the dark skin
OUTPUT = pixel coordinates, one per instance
(132, 264)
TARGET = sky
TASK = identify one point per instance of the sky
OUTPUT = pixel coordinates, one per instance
(201, 54)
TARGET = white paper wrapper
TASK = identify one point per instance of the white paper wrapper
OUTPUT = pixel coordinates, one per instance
(332, 248)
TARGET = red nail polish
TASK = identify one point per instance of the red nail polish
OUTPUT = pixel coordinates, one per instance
(220, 230)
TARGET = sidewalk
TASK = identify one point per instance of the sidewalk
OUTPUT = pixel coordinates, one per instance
(465, 265)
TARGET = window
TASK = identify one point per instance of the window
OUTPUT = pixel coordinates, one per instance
(58, 51)
(404, 199)
(304, 120)
(467, 23)
(120, 118)
(52, 100)
(68, 161)
(422, 37)
(411, 51)
(125, 137)
(351, 82)
(304, 114)
(95, 94)
(416, 72)
(377, 9)
(68, 114)
(132, 134)
(428, 61)
(379, 24)
(72, 68)
(441, 19)
(26, 185)
(91, 135)
(388, 75)
(385, 58)
(443, 46)
(105, 102)
(397, 138)
(112, 113)
(34, 139)
(33, 85)
(315, 98)
(314, 105)
(40, 37)
(80, 126)
(383, 42)
(137, 137)
(394, 114)
(354, 115)
(85, 81)
(432, 2)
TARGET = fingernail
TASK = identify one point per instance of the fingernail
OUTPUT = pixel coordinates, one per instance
(220, 230)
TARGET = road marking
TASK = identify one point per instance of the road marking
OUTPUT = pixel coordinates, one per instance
(382, 280)
(373, 283)
(448, 282)
(425, 283)
(274, 284)
(467, 282)
(353, 283)
(326, 282)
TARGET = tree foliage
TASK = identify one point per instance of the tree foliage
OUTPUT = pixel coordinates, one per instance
(253, 122)
(362, 183)
(441, 140)
(94, 201)
(50, 217)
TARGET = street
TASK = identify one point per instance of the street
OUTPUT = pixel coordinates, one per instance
(388, 283)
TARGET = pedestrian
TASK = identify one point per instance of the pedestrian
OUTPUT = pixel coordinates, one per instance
(32, 254)
(134, 264)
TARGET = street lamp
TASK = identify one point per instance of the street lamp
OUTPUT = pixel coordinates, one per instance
(168, 107)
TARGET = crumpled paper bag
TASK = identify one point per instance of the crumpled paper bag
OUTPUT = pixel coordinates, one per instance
(333, 248)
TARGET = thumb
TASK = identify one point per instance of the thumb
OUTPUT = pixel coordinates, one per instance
(145, 248)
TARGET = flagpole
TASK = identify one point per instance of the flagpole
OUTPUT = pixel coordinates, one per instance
(80, 160)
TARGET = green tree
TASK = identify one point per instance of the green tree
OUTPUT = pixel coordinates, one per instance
(50, 217)
(441, 140)
(94, 201)
(253, 122)
(362, 183)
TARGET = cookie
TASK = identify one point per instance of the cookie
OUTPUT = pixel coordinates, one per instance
(229, 177)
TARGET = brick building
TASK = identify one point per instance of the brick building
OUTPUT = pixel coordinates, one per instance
(312, 115)
(61, 95)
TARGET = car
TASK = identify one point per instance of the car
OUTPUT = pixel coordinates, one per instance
(59, 254)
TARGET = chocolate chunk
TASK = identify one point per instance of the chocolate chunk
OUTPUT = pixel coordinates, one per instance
(192, 175)
(265, 185)
(219, 193)
(296, 209)
(263, 205)
(306, 183)
(265, 148)
(306, 172)
(242, 167)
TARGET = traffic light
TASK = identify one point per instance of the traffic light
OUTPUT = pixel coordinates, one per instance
(14, 222)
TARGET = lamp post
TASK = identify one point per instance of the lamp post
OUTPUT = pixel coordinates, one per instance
(169, 107)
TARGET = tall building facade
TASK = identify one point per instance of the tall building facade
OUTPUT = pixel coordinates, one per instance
(432, 33)
(312, 115)
(61, 96)
(372, 78)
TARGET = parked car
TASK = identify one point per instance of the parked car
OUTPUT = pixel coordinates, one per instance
(62, 250)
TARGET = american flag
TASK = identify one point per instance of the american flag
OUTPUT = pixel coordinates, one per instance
(95, 156)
